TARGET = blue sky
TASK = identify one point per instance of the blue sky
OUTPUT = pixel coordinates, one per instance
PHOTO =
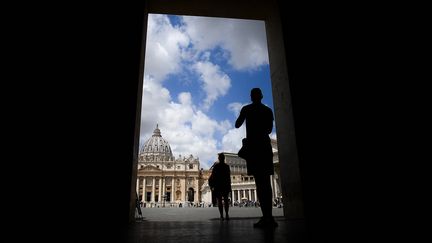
(198, 73)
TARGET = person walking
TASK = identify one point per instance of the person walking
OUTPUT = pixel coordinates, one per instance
(259, 153)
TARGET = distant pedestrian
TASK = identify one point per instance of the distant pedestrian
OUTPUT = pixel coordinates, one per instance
(220, 184)
(138, 206)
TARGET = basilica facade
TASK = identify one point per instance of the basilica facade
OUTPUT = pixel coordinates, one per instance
(165, 181)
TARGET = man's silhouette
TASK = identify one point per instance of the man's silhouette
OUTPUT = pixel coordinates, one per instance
(259, 124)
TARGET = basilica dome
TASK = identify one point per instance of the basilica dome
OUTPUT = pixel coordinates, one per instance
(156, 148)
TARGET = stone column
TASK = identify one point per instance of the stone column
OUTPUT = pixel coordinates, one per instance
(184, 189)
(160, 190)
(238, 196)
(272, 186)
(143, 199)
(196, 189)
(172, 190)
(250, 195)
(276, 187)
(283, 113)
(137, 187)
(255, 194)
(152, 198)
(163, 187)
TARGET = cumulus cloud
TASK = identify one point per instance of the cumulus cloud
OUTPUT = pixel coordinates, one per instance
(155, 97)
(185, 98)
(224, 126)
(165, 45)
(173, 49)
(245, 40)
(232, 140)
(235, 108)
(214, 81)
(187, 129)
(184, 141)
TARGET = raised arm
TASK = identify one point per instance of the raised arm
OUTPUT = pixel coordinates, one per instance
(240, 119)
(269, 122)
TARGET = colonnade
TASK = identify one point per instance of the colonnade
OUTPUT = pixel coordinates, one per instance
(166, 186)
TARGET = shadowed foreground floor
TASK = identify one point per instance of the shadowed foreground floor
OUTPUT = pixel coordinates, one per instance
(182, 227)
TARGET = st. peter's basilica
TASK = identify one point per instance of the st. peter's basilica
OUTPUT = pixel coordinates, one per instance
(166, 181)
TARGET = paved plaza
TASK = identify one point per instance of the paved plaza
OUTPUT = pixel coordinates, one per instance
(203, 225)
(202, 214)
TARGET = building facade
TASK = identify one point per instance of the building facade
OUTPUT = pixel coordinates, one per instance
(165, 181)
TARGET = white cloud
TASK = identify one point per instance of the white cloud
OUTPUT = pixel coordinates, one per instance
(187, 130)
(164, 47)
(232, 140)
(155, 97)
(185, 98)
(235, 108)
(224, 126)
(215, 82)
(203, 125)
(184, 141)
(245, 40)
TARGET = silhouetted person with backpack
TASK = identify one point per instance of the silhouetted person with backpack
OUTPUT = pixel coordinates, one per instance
(259, 153)
(220, 183)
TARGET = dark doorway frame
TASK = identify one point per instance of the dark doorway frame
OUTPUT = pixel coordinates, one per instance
(253, 9)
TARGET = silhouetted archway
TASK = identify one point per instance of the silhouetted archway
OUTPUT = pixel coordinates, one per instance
(268, 11)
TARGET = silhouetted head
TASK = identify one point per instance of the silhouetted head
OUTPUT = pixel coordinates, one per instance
(256, 95)
(221, 157)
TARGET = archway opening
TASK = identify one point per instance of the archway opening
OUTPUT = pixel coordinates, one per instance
(280, 88)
